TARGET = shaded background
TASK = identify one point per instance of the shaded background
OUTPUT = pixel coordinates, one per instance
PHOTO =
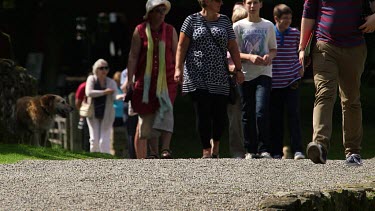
(62, 39)
(58, 41)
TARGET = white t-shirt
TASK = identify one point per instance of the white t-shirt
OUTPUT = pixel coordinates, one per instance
(255, 38)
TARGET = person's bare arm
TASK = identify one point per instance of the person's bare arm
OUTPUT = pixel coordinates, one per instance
(307, 26)
(78, 103)
(369, 25)
(174, 42)
(135, 50)
(235, 60)
(269, 57)
(182, 47)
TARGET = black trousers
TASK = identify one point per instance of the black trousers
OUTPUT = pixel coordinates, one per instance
(211, 115)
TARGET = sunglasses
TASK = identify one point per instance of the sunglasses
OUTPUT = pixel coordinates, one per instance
(160, 10)
(103, 68)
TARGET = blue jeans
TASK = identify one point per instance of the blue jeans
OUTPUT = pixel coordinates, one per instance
(255, 97)
(285, 99)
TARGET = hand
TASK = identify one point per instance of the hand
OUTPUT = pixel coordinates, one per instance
(125, 86)
(240, 77)
(301, 57)
(369, 25)
(108, 91)
(301, 72)
(178, 77)
(267, 60)
(120, 97)
(257, 60)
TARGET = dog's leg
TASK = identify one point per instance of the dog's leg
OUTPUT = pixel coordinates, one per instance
(36, 138)
(45, 139)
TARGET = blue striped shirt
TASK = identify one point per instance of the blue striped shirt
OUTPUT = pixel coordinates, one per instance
(285, 66)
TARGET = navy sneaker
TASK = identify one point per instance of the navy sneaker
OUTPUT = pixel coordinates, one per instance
(316, 153)
(353, 160)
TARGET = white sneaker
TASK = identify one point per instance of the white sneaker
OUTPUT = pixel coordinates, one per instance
(250, 156)
(298, 156)
(265, 155)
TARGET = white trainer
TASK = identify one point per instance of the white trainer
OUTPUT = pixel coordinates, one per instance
(299, 156)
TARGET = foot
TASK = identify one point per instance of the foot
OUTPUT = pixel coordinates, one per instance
(214, 147)
(277, 157)
(152, 157)
(166, 154)
(353, 160)
(299, 156)
(206, 153)
(316, 153)
(265, 155)
(214, 156)
(251, 156)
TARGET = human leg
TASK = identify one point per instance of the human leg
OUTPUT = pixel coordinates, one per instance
(236, 143)
(140, 145)
(351, 66)
(219, 117)
(262, 97)
(85, 136)
(131, 126)
(202, 108)
(277, 121)
(325, 71)
(293, 117)
(94, 130)
(247, 93)
(153, 147)
(144, 129)
(165, 129)
(105, 138)
(165, 138)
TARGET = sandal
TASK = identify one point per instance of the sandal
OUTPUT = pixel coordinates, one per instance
(206, 156)
(152, 157)
(214, 156)
(166, 154)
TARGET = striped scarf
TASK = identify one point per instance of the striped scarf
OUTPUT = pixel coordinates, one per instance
(161, 86)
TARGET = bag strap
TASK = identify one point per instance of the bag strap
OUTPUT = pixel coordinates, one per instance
(215, 41)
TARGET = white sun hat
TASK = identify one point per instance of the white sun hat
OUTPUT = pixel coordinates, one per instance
(151, 4)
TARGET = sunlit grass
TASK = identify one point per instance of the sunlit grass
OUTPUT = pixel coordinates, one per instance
(12, 153)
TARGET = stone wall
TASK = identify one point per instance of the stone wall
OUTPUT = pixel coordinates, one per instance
(15, 82)
(353, 197)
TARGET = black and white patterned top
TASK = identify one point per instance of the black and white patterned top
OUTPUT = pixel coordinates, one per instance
(204, 64)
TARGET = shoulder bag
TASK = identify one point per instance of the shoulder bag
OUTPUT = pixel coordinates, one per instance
(231, 79)
(87, 108)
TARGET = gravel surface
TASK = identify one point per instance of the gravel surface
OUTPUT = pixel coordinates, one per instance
(180, 184)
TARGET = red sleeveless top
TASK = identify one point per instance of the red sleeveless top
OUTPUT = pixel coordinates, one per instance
(153, 104)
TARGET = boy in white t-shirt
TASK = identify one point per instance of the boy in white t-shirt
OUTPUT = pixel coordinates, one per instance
(257, 43)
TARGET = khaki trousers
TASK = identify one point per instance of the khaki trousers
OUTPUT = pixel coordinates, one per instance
(338, 67)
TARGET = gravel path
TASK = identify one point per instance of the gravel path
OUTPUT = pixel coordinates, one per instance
(180, 184)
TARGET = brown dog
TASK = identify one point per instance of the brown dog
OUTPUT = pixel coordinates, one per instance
(35, 115)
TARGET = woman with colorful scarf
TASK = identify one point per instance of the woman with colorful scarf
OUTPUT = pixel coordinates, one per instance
(152, 64)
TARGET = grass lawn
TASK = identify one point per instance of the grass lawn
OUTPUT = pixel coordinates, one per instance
(186, 144)
(11, 153)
